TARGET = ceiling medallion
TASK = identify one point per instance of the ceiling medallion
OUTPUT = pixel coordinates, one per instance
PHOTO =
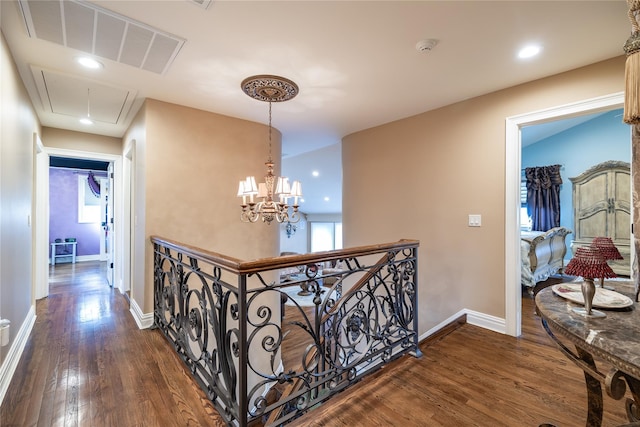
(269, 88)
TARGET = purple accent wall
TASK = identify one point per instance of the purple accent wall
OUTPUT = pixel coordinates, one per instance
(63, 212)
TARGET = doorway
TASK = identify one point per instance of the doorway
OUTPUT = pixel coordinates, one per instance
(513, 166)
(112, 215)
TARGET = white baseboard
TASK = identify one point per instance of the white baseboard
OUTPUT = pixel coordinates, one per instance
(10, 363)
(120, 286)
(486, 321)
(143, 320)
(475, 318)
(441, 325)
(83, 258)
(79, 258)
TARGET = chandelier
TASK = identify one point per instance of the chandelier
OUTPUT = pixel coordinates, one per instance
(269, 200)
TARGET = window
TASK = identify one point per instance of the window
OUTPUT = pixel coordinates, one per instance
(525, 220)
(88, 203)
(326, 236)
(523, 190)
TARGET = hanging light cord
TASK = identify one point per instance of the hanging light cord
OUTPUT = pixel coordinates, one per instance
(88, 103)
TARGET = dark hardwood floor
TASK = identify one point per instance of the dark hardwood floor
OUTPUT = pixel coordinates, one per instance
(87, 364)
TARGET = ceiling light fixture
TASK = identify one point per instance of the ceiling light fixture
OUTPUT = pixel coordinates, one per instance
(274, 192)
(87, 120)
(529, 51)
(90, 63)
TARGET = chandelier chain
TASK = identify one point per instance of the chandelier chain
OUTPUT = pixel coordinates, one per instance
(270, 160)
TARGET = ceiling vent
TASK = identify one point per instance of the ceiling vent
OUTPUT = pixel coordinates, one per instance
(99, 32)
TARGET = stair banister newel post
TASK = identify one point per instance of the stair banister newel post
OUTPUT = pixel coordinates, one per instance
(416, 352)
(243, 402)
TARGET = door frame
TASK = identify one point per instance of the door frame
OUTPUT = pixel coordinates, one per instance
(41, 220)
(121, 280)
(513, 164)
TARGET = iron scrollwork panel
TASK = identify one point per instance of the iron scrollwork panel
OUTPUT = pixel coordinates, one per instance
(197, 313)
(343, 335)
(287, 360)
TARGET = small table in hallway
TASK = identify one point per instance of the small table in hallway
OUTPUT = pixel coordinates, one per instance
(614, 339)
(55, 255)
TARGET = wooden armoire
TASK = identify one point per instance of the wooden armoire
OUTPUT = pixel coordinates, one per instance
(602, 207)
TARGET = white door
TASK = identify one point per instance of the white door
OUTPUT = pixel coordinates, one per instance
(106, 206)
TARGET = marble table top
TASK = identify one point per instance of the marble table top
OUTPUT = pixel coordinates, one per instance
(614, 338)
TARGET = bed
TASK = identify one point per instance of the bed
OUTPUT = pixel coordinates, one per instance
(542, 254)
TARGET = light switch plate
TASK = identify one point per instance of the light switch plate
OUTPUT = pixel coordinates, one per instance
(475, 220)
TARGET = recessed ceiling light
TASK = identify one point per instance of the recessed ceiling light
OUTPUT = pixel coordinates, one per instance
(88, 62)
(529, 51)
(315, 173)
(86, 121)
(326, 199)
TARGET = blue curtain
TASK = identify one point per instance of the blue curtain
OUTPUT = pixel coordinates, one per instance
(543, 196)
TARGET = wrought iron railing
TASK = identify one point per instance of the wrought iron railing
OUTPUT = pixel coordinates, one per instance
(267, 340)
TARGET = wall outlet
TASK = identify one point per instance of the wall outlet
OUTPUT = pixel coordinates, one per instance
(475, 220)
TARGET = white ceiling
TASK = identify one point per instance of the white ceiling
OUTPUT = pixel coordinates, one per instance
(356, 62)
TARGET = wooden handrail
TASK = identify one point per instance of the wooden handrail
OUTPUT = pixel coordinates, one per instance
(238, 266)
(230, 263)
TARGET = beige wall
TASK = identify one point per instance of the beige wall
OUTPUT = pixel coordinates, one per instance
(80, 141)
(18, 123)
(191, 162)
(421, 177)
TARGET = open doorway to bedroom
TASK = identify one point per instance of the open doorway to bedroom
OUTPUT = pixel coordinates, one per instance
(589, 155)
(99, 211)
(80, 211)
(516, 131)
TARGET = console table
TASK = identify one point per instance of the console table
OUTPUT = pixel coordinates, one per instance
(614, 339)
(55, 255)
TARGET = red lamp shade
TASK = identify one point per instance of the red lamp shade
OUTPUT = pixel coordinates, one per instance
(589, 263)
(606, 247)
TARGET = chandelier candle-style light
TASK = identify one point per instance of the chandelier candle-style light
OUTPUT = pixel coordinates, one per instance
(269, 200)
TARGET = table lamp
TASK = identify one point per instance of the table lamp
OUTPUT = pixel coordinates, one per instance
(589, 263)
(607, 249)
